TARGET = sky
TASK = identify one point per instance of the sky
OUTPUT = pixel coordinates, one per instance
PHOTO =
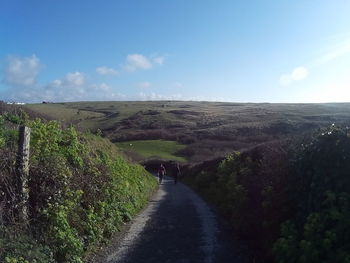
(243, 51)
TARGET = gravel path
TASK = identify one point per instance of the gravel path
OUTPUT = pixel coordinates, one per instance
(176, 227)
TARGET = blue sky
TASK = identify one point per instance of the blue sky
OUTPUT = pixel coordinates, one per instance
(243, 51)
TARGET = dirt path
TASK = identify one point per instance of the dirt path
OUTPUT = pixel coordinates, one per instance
(177, 226)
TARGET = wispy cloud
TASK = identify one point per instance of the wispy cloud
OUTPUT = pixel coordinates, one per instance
(22, 71)
(74, 79)
(340, 49)
(137, 61)
(140, 62)
(296, 74)
(133, 62)
(106, 71)
(20, 77)
(156, 96)
(70, 86)
(159, 60)
(75, 87)
(144, 84)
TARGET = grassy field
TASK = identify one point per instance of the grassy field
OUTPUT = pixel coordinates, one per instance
(154, 149)
(208, 129)
(80, 118)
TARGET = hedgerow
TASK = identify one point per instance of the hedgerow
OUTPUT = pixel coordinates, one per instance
(244, 188)
(289, 204)
(81, 191)
(320, 189)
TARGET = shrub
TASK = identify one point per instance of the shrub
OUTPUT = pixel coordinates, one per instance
(81, 191)
(320, 189)
(244, 187)
(20, 247)
(292, 206)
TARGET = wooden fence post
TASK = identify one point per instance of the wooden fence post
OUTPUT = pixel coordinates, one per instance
(23, 171)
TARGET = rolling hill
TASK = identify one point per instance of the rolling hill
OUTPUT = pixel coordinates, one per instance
(207, 129)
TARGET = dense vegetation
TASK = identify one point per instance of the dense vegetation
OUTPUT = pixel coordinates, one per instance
(81, 191)
(289, 206)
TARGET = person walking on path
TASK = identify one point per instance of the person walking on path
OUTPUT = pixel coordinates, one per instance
(177, 173)
(161, 173)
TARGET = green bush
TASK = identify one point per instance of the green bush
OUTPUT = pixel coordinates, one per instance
(7, 136)
(18, 246)
(81, 191)
(288, 206)
(320, 189)
(244, 187)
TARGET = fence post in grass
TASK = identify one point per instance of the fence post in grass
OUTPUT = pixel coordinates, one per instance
(22, 167)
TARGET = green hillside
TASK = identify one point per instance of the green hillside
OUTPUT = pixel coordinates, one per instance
(81, 190)
(154, 149)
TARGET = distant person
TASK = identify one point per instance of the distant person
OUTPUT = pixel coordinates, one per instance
(177, 173)
(161, 173)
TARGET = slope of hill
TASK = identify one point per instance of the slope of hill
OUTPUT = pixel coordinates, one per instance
(81, 190)
(209, 129)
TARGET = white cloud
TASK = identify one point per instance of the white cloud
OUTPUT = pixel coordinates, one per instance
(132, 63)
(140, 62)
(137, 61)
(340, 47)
(159, 60)
(297, 74)
(70, 81)
(73, 86)
(74, 79)
(22, 71)
(156, 96)
(144, 85)
(106, 71)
